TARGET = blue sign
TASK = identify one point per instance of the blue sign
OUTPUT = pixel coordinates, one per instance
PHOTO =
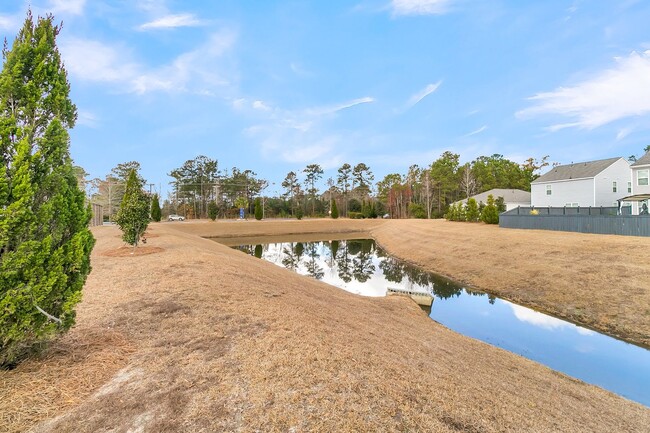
(241, 213)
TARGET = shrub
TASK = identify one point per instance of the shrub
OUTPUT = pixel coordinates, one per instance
(490, 213)
(355, 215)
(156, 214)
(259, 211)
(471, 210)
(417, 211)
(133, 215)
(213, 210)
(335, 210)
(299, 213)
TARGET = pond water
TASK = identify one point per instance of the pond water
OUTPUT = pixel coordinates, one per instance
(362, 267)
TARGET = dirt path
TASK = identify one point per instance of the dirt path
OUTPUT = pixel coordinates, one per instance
(199, 337)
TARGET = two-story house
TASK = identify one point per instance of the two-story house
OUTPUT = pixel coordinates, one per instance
(593, 183)
(640, 184)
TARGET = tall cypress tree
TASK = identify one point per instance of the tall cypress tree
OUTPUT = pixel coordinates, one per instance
(45, 242)
(156, 213)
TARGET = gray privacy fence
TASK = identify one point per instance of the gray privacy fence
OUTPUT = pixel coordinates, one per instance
(601, 220)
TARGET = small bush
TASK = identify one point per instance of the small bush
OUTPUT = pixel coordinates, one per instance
(213, 210)
(490, 213)
(299, 213)
(417, 211)
(355, 215)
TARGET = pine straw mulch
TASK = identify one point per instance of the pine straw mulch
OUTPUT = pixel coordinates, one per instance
(65, 374)
(225, 342)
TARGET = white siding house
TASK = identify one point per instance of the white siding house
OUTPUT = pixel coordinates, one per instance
(513, 198)
(594, 183)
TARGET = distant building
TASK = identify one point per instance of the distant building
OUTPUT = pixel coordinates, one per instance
(640, 185)
(512, 197)
(584, 184)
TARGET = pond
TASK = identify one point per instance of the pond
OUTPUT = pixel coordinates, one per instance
(360, 266)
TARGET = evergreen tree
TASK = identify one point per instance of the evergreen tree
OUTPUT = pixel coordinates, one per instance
(133, 216)
(213, 209)
(335, 210)
(156, 213)
(471, 210)
(490, 213)
(258, 209)
(45, 243)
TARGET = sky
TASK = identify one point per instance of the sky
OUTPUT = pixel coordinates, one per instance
(273, 86)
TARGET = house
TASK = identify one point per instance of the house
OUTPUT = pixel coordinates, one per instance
(640, 191)
(584, 184)
(512, 197)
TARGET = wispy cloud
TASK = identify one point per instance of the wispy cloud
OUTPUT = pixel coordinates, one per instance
(9, 22)
(623, 133)
(74, 7)
(329, 109)
(420, 7)
(477, 131)
(416, 98)
(173, 21)
(198, 71)
(617, 93)
(302, 135)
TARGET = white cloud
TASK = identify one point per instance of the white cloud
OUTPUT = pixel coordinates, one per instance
(416, 98)
(9, 22)
(173, 21)
(613, 94)
(538, 319)
(477, 131)
(260, 105)
(74, 7)
(197, 71)
(95, 61)
(420, 7)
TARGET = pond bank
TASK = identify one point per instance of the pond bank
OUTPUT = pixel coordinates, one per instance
(601, 282)
(216, 340)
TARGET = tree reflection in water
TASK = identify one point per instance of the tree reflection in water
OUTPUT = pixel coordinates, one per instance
(357, 260)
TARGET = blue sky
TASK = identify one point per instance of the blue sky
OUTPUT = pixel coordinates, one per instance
(275, 85)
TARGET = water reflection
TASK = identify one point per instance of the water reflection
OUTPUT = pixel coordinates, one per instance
(362, 267)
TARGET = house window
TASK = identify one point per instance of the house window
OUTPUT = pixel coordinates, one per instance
(571, 205)
(548, 189)
(629, 187)
(642, 177)
(614, 186)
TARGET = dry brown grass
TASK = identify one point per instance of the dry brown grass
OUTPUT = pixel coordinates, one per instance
(222, 341)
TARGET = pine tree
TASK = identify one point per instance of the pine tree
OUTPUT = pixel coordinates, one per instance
(335, 210)
(156, 214)
(133, 216)
(45, 242)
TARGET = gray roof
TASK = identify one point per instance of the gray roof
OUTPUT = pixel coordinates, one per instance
(509, 196)
(644, 160)
(578, 170)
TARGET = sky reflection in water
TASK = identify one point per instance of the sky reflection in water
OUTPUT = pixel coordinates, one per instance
(361, 267)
